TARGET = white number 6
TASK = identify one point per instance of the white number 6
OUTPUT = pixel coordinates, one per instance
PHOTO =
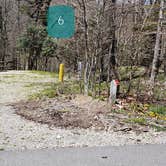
(61, 20)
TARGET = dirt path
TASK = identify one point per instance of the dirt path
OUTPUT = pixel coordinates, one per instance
(18, 133)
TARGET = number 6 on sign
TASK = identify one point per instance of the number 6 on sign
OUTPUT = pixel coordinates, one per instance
(61, 20)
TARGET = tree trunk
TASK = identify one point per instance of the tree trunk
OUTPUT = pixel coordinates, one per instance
(113, 47)
(1, 24)
(86, 81)
(157, 46)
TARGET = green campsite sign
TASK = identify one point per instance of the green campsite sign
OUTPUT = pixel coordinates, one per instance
(61, 21)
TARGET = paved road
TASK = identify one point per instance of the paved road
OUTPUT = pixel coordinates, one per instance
(142, 155)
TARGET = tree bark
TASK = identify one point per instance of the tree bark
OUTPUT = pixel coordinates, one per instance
(86, 81)
(157, 46)
(112, 68)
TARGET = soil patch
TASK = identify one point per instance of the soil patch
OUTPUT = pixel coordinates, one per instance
(85, 112)
(60, 113)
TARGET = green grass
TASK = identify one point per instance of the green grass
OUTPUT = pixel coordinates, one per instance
(51, 74)
(54, 89)
(70, 87)
(9, 76)
(161, 77)
(43, 84)
(138, 120)
(49, 91)
(158, 109)
(119, 111)
(158, 128)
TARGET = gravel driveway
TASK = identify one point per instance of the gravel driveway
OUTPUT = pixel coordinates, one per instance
(17, 133)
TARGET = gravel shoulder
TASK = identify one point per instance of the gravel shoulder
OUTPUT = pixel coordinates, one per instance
(17, 133)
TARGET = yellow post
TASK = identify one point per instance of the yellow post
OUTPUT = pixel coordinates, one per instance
(61, 72)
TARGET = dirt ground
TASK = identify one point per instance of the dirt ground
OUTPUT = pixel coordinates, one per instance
(61, 112)
(77, 112)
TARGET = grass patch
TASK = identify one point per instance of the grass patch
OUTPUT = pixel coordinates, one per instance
(9, 76)
(48, 92)
(69, 87)
(161, 77)
(158, 109)
(54, 89)
(42, 84)
(44, 73)
(140, 120)
(119, 111)
(158, 128)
